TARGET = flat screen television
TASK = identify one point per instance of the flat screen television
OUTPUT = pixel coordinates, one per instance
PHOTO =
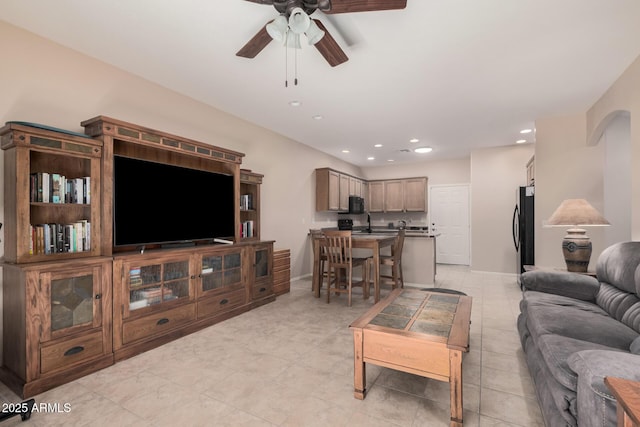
(157, 203)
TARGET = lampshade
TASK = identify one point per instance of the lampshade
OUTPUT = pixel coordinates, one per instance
(576, 245)
(576, 212)
(277, 28)
(299, 21)
(314, 33)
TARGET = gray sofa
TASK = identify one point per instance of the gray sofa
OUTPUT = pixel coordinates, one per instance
(576, 329)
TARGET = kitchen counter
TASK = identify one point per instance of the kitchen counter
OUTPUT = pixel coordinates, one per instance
(418, 253)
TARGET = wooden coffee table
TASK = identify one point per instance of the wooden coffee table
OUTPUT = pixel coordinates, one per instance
(419, 332)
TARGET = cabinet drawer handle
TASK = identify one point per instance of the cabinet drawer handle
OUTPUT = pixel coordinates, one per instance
(263, 289)
(74, 350)
(98, 296)
(162, 321)
(224, 301)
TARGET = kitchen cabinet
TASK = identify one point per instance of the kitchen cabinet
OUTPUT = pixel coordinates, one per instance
(415, 195)
(394, 196)
(376, 196)
(333, 189)
(344, 192)
(398, 195)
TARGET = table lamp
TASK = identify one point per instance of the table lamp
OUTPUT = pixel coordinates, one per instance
(576, 245)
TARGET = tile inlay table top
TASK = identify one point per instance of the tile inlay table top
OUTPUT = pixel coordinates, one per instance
(423, 333)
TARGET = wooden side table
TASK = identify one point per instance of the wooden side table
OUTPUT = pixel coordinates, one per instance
(627, 394)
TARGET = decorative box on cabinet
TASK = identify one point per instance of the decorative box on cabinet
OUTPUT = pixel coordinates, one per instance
(57, 322)
(281, 271)
(36, 159)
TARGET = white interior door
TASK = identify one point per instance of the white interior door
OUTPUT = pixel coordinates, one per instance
(449, 212)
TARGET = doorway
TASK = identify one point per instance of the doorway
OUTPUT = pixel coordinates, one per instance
(449, 215)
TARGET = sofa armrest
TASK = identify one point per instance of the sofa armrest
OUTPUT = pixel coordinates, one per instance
(595, 404)
(573, 285)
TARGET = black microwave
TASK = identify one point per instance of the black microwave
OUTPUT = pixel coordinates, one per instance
(356, 205)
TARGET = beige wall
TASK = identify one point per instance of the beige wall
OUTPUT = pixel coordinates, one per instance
(496, 174)
(49, 84)
(623, 95)
(566, 168)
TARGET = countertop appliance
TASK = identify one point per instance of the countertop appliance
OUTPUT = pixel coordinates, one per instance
(523, 227)
(345, 224)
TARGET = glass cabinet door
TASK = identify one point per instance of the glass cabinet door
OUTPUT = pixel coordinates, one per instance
(159, 283)
(262, 263)
(220, 272)
(71, 302)
(74, 301)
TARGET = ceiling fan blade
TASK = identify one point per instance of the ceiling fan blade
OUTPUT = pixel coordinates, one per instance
(256, 44)
(270, 2)
(329, 48)
(348, 6)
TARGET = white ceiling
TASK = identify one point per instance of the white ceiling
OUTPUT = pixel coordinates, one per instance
(455, 74)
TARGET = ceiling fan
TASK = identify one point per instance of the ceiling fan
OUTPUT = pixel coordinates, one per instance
(291, 13)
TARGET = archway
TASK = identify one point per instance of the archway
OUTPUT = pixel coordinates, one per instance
(615, 133)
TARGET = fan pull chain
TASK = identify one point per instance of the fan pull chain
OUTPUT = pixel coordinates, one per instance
(295, 62)
(286, 61)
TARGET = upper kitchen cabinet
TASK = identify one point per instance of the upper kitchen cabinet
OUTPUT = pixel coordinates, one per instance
(398, 195)
(415, 194)
(376, 196)
(333, 189)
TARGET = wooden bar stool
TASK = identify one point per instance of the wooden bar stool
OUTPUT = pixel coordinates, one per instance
(394, 261)
(338, 248)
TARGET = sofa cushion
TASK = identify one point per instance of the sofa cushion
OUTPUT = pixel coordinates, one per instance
(614, 301)
(617, 266)
(635, 346)
(573, 322)
(542, 298)
(631, 317)
(557, 349)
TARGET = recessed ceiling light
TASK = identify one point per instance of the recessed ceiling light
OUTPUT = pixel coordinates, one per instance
(422, 150)
(414, 140)
(318, 117)
(371, 158)
(521, 141)
(526, 131)
(295, 103)
(378, 145)
(345, 151)
(390, 160)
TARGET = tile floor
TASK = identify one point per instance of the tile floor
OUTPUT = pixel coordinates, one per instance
(290, 363)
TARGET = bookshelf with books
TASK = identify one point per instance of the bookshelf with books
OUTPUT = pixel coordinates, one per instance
(250, 204)
(50, 175)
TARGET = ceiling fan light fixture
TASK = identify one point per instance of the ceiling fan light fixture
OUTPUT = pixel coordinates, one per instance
(278, 28)
(314, 33)
(299, 21)
(293, 40)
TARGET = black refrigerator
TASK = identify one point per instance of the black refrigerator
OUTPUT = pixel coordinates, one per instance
(523, 227)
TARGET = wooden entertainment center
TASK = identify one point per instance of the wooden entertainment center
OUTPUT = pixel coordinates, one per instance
(77, 303)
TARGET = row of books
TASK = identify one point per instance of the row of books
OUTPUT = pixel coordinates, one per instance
(246, 202)
(55, 238)
(56, 188)
(246, 229)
